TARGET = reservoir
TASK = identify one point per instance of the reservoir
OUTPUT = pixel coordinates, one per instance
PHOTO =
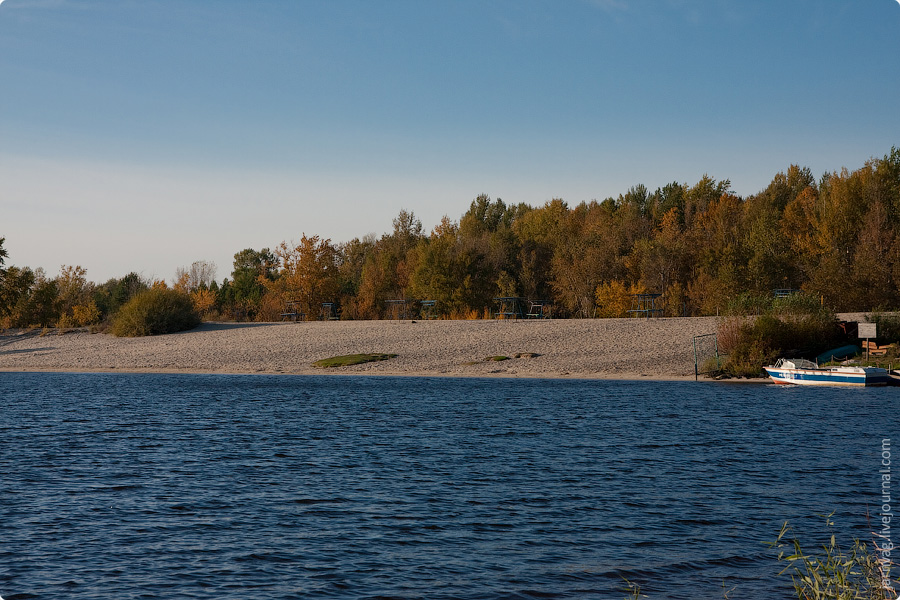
(117, 486)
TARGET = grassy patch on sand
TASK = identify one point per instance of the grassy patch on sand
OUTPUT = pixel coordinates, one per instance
(350, 359)
(497, 358)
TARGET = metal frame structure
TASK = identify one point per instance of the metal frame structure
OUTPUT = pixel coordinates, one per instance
(644, 305)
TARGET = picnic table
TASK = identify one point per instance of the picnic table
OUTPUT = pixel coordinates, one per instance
(644, 305)
(292, 311)
(511, 307)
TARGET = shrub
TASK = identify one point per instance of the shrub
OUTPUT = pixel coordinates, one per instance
(888, 327)
(154, 312)
(749, 304)
(794, 327)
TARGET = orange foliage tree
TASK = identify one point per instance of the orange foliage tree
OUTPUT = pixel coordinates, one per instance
(309, 273)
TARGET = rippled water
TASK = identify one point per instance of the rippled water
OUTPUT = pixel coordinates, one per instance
(191, 486)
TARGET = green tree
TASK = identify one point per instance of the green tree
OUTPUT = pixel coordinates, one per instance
(260, 263)
(15, 292)
(538, 232)
(440, 273)
(698, 197)
(43, 307)
(352, 257)
(112, 295)
(244, 293)
(664, 199)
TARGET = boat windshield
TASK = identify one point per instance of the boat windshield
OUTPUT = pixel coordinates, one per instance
(796, 363)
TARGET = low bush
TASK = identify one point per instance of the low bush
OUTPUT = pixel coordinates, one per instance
(795, 327)
(154, 312)
(887, 327)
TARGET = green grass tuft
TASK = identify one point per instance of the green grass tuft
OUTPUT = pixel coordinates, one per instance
(497, 358)
(351, 359)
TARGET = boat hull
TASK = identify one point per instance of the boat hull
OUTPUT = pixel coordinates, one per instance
(858, 377)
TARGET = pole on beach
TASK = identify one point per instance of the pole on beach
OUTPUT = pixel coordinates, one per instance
(695, 358)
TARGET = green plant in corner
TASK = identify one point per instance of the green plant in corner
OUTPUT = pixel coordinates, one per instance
(835, 574)
(633, 590)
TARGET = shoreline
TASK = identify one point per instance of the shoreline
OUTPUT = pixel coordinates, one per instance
(617, 349)
(417, 375)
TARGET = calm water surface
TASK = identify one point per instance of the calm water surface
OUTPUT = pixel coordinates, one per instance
(258, 487)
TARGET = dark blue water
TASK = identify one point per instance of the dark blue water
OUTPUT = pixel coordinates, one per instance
(172, 486)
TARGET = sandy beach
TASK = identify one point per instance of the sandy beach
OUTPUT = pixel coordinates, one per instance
(595, 348)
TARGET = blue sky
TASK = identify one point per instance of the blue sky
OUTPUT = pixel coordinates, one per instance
(145, 135)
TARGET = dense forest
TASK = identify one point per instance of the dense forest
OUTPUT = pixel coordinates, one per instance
(700, 246)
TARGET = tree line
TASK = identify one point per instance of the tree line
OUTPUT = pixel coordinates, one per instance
(701, 247)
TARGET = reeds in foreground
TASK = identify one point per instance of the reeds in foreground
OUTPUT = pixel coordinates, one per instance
(863, 573)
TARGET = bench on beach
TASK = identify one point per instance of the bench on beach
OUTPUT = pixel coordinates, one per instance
(538, 309)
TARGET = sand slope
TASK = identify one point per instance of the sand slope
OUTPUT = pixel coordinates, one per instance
(621, 348)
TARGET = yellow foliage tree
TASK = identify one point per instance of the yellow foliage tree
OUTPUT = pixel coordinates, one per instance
(85, 314)
(614, 298)
(204, 300)
(76, 308)
(182, 282)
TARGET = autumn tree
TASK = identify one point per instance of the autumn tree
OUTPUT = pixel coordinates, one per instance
(719, 273)
(665, 261)
(309, 273)
(352, 258)
(873, 262)
(387, 270)
(577, 265)
(539, 232)
(76, 305)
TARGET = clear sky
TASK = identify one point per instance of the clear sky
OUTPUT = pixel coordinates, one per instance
(143, 135)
